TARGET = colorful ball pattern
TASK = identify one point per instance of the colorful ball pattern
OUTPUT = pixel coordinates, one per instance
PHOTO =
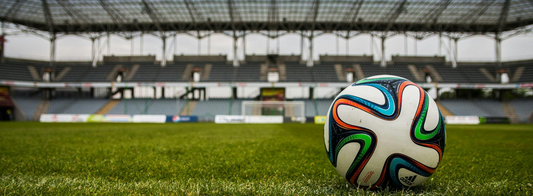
(384, 130)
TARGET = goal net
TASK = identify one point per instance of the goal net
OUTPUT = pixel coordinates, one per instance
(288, 109)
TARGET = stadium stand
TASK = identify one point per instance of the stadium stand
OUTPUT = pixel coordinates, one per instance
(370, 70)
(75, 106)
(320, 109)
(477, 107)
(98, 74)
(28, 105)
(248, 73)
(297, 72)
(15, 71)
(401, 69)
(450, 74)
(148, 106)
(474, 73)
(325, 72)
(524, 108)
(207, 109)
(221, 72)
(171, 73)
(147, 73)
(75, 74)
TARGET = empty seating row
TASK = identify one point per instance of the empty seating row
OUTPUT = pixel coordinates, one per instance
(148, 106)
(477, 107)
(250, 72)
(75, 106)
(524, 108)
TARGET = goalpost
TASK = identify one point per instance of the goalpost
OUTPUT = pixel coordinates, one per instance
(288, 109)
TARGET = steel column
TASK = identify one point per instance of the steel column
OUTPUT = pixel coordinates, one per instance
(454, 51)
(175, 44)
(416, 46)
(235, 56)
(383, 61)
(371, 45)
(310, 59)
(108, 44)
(337, 43)
(93, 51)
(244, 44)
(498, 50)
(440, 43)
(132, 46)
(302, 45)
(52, 49)
(347, 46)
(199, 44)
(164, 60)
(209, 44)
(405, 50)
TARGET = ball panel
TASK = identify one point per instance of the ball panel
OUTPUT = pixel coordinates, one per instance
(346, 157)
(432, 117)
(411, 129)
(409, 178)
(366, 92)
(326, 134)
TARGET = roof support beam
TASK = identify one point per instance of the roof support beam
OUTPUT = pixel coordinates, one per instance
(156, 18)
(391, 17)
(433, 16)
(232, 15)
(115, 16)
(48, 16)
(351, 16)
(503, 16)
(313, 14)
(75, 15)
(12, 12)
(477, 12)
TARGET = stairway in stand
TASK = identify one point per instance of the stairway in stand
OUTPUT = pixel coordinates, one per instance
(188, 108)
(444, 110)
(510, 112)
(41, 109)
(108, 106)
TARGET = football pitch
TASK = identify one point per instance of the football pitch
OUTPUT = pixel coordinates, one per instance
(214, 159)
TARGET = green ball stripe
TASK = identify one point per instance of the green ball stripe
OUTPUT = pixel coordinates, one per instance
(418, 131)
(363, 139)
(375, 79)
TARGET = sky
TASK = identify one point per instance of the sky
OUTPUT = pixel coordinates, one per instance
(75, 48)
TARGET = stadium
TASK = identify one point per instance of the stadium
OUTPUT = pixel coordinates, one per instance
(243, 123)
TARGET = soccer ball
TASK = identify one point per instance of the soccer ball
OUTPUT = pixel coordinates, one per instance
(384, 130)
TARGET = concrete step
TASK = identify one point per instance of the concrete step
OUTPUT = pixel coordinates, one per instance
(341, 75)
(444, 110)
(131, 72)
(435, 76)
(41, 109)
(517, 74)
(416, 73)
(34, 74)
(188, 108)
(359, 74)
(108, 106)
(206, 72)
(510, 112)
(187, 72)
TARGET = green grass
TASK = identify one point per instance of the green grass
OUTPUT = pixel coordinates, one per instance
(210, 159)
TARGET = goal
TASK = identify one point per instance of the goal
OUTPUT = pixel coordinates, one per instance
(288, 109)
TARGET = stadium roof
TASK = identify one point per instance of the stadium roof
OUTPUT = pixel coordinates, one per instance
(477, 16)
